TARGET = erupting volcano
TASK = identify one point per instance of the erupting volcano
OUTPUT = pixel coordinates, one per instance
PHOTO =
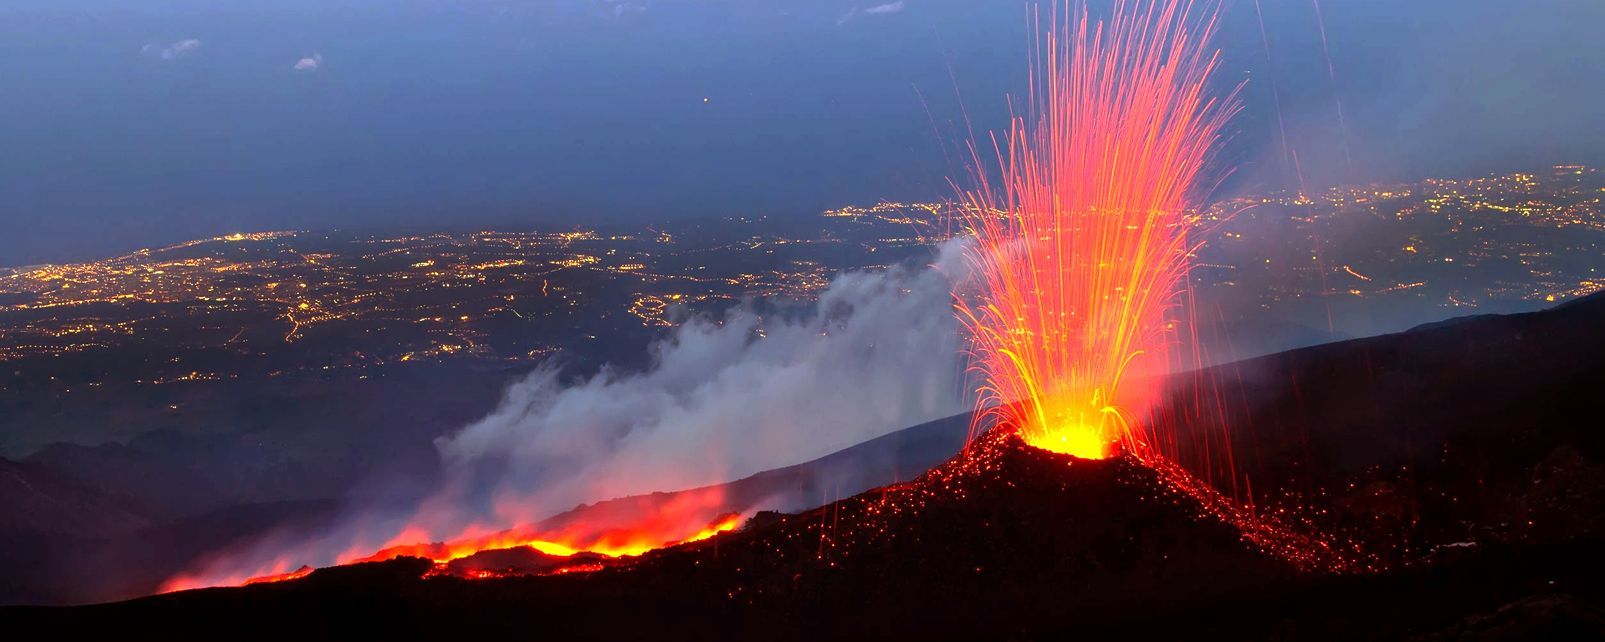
(1080, 252)
(1081, 246)
(1045, 419)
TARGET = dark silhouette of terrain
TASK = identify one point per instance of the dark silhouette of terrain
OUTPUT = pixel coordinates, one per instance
(67, 542)
(1463, 457)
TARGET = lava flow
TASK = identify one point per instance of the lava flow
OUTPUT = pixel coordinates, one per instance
(1080, 246)
(613, 542)
(580, 540)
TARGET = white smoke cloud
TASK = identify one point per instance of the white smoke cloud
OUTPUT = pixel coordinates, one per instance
(882, 9)
(875, 10)
(752, 391)
(172, 51)
(724, 399)
(309, 63)
(621, 8)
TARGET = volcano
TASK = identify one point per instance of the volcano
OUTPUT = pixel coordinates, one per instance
(1004, 531)
(1468, 450)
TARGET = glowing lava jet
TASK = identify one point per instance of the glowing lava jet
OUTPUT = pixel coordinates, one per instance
(1081, 243)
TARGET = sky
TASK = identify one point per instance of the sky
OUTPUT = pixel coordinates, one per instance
(136, 123)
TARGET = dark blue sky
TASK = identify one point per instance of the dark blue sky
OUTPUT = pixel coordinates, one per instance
(131, 123)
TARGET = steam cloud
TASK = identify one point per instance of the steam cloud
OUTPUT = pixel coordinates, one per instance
(309, 63)
(173, 51)
(890, 7)
(755, 390)
(722, 400)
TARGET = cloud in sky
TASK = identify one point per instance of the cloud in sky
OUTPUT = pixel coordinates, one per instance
(876, 10)
(172, 51)
(882, 9)
(309, 63)
(620, 8)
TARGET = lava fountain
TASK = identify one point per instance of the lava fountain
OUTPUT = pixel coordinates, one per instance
(1079, 260)
(1081, 245)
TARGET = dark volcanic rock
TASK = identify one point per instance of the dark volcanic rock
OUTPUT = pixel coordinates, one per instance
(522, 560)
(1544, 617)
(1473, 449)
(1008, 536)
(65, 541)
(1010, 543)
(1419, 439)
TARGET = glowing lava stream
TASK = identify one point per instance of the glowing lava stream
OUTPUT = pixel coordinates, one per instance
(619, 542)
(1080, 244)
(625, 544)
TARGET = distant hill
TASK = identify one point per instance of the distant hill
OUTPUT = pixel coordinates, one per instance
(43, 512)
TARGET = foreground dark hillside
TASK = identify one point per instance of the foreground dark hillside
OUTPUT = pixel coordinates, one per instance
(1474, 430)
(1466, 456)
(65, 543)
(975, 543)
(1025, 545)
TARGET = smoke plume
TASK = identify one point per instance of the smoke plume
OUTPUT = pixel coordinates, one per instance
(724, 398)
(761, 387)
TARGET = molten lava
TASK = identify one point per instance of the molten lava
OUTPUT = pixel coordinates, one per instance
(1080, 245)
(616, 529)
(613, 542)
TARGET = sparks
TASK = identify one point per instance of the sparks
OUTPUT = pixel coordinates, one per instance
(1080, 246)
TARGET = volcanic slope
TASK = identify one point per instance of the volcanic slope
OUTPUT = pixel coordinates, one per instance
(1004, 533)
(1014, 542)
(1011, 542)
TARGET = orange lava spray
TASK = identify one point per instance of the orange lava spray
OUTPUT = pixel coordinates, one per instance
(1081, 241)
